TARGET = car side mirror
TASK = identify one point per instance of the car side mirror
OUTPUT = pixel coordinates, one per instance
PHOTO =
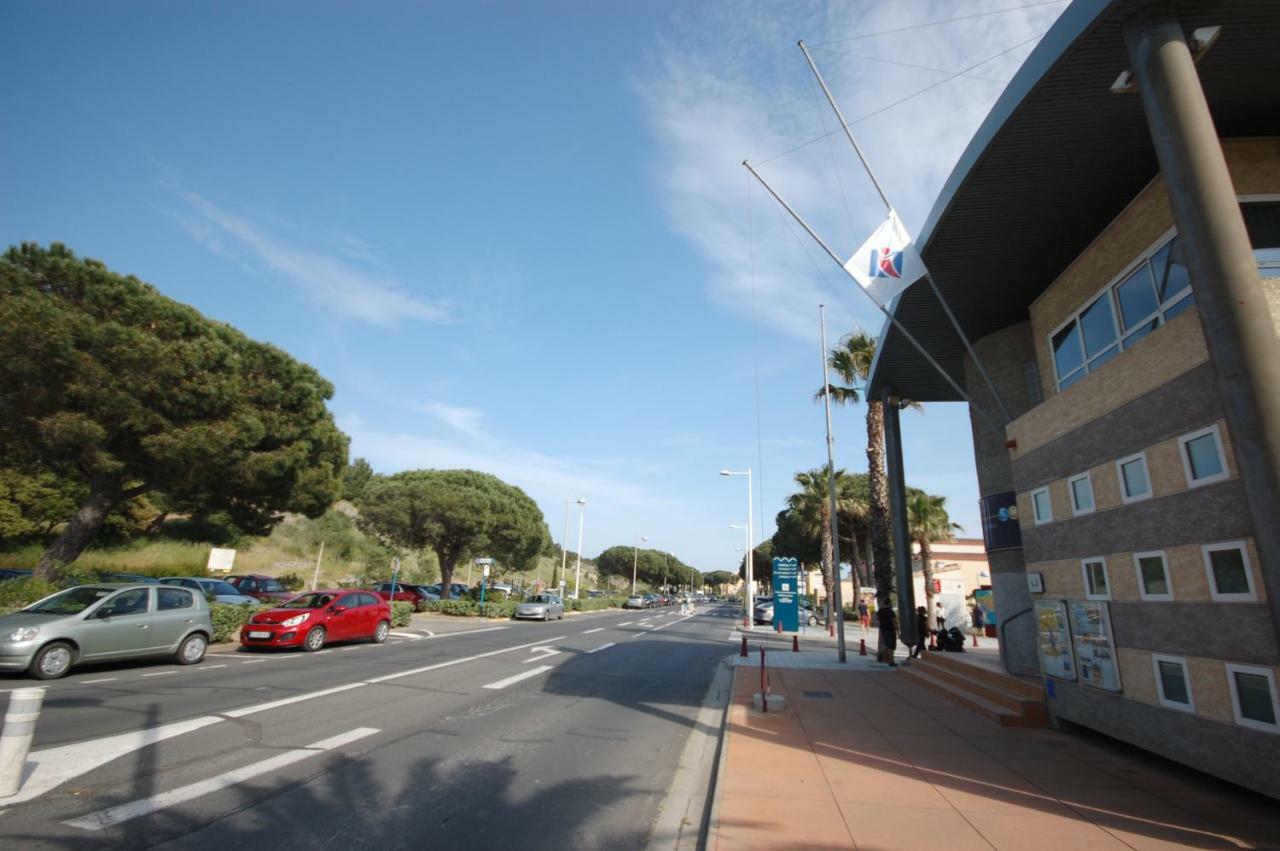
(337, 610)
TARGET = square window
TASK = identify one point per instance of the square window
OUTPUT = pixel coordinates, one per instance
(1134, 482)
(1067, 355)
(1081, 488)
(1202, 457)
(1153, 576)
(1137, 297)
(1098, 323)
(1041, 506)
(1253, 696)
(1096, 586)
(1173, 683)
(1230, 577)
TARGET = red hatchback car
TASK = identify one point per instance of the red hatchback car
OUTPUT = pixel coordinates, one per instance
(315, 618)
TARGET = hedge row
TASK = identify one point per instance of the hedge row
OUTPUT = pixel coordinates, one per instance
(507, 608)
(228, 619)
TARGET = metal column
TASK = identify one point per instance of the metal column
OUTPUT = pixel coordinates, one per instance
(898, 515)
(1233, 312)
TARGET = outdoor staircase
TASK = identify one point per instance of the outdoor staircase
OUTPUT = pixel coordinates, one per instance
(1008, 700)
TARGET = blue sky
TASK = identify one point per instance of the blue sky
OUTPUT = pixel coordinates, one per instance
(515, 235)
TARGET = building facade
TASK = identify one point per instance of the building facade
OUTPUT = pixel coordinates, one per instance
(1129, 495)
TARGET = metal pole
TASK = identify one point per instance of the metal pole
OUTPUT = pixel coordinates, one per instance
(837, 595)
(15, 741)
(1230, 301)
(635, 562)
(577, 570)
(751, 560)
(898, 510)
(564, 542)
(888, 206)
(316, 577)
(888, 315)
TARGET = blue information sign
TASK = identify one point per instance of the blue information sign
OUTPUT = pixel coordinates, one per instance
(786, 590)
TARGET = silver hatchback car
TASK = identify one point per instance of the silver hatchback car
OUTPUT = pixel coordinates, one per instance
(105, 622)
(544, 607)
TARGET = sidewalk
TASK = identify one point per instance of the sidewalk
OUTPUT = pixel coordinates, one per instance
(863, 758)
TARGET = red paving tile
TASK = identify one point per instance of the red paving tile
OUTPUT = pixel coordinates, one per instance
(885, 764)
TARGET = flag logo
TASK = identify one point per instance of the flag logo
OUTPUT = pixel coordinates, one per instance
(885, 263)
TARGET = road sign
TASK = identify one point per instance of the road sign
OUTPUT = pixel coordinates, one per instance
(484, 561)
(486, 571)
(786, 585)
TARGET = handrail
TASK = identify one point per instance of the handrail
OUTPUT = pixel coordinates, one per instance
(1004, 658)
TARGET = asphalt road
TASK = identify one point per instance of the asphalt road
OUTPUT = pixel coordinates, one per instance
(533, 735)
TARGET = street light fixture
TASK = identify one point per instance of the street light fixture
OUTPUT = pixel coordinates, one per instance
(635, 562)
(750, 578)
(564, 539)
(577, 569)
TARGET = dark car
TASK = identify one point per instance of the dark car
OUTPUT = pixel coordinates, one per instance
(405, 593)
(313, 619)
(264, 588)
(13, 573)
(116, 576)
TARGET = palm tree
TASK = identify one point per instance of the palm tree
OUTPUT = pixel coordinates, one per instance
(928, 522)
(851, 361)
(811, 507)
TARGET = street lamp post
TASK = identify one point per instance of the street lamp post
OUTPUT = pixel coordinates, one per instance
(746, 592)
(564, 541)
(577, 568)
(635, 562)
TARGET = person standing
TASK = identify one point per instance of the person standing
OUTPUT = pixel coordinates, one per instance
(979, 621)
(940, 615)
(922, 632)
(888, 625)
(864, 614)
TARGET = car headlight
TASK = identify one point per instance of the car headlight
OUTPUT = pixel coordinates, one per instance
(25, 633)
(295, 620)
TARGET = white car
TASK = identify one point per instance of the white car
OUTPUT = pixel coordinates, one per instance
(636, 601)
(541, 607)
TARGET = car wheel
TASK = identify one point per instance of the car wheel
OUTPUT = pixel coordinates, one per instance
(546, 616)
(53, 661)
(191, 650)
(380, 634)
(314, 640)
(561, 615)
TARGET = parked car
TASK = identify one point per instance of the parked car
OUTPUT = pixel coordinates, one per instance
(105, 622)
(263, 588)
(135, 578)
(313, 619)
(636, 601)
(541, 607)
(650, 601)
(405, 593)
(457, 591)
(596, 593)
(14, 573)
(764, 614)
(221, 590)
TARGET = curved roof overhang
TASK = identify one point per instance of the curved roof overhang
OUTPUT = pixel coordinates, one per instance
(1056, 160)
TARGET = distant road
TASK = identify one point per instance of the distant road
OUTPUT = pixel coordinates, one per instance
(489, 735)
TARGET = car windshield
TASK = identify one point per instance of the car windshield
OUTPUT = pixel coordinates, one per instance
(73, 601)
(218, 586)
(539, 598)
(309, 601)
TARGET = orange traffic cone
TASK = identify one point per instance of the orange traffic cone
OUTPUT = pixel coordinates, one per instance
(795, 644)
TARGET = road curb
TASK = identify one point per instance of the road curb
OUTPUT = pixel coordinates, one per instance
(710, 836)
(684, 816)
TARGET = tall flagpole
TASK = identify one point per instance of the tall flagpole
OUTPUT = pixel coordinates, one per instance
(889, 207)
(837, 594)
(892, 319)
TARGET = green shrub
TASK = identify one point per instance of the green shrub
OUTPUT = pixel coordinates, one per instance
(20, 593)
(401, 613)
(471, 608)
(228, 619)
(292, 582)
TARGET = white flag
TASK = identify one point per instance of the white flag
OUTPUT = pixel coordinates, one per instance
(887, 263)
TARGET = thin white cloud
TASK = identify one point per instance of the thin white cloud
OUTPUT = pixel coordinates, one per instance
(348, 286)
(459, 418)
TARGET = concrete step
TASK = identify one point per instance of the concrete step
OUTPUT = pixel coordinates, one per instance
(1031, 714)
(1023, 687)
(958, 679)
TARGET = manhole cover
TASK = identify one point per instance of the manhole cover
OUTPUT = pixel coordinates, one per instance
(819, 694)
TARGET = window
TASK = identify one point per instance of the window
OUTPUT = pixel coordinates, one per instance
(1262, 219)
(1253, 696)
(1135, 484)
(1041, 507)
(168, 599)
(1081, 488)
(1096, 586)
(1173, 683)
(1153, 576)
(1141, 299)
(1202, 457)
(131, 602)
(1230, 578)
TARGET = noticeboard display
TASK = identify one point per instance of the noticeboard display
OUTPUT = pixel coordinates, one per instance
(786, 587)
(1094, 648)
(1053, 637)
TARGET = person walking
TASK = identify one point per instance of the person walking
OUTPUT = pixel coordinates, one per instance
(922, 632)
(888, 625)
(864, 614)
(979, 622)
(940, 615)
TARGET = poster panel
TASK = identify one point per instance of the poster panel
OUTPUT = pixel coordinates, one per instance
(1095, 650)
(985, 600)
(1053, 635)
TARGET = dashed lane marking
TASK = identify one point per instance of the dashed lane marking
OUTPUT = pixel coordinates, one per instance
(95, 682)
(589, 631)
(510, 681)
(603, 647)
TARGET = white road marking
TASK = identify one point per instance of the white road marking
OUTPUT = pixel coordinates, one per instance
(252, 661)
(669, 623)
(144, 806)
(628, 623)
(95, 682)
(161, 674)
(597, 629)
(352, 647)
(210, 667)
(468, 632)
(533, 672)
(407, 635)
(543, 652)
(603, 647)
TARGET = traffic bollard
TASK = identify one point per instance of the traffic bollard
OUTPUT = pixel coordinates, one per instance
(975, 639)
(795, 644)
(15, 739)
(764, 685)
(743, 654)
(862, 647)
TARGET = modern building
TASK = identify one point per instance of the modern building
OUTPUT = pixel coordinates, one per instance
(1110, 243)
